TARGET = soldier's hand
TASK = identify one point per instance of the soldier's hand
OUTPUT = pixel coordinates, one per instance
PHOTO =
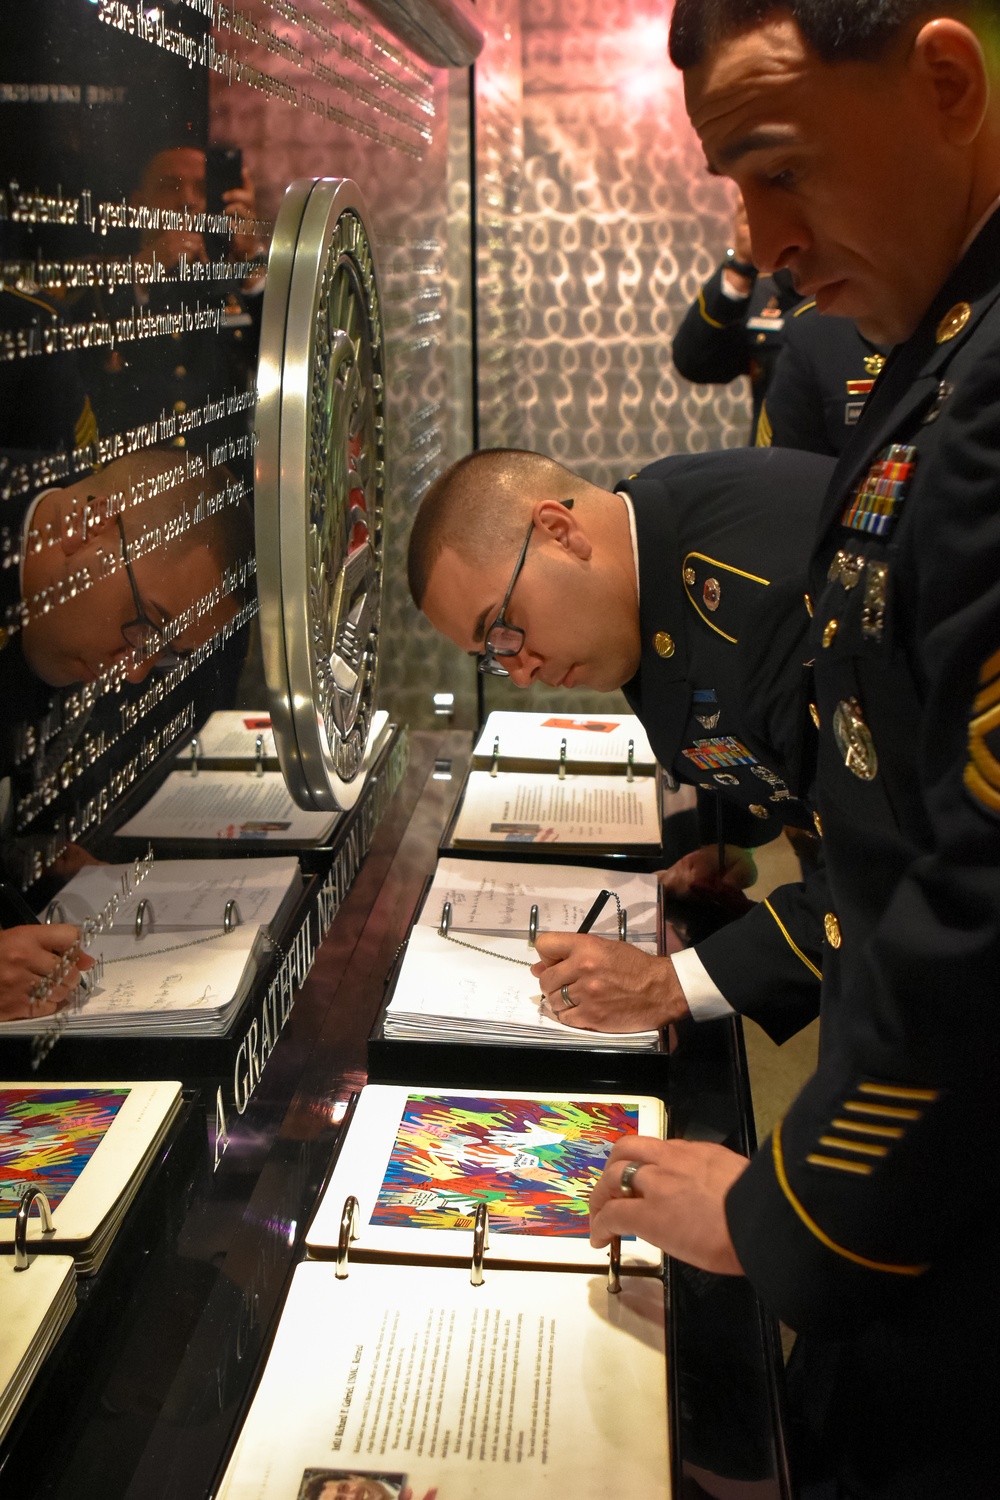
(613, 986)
(678, 1199)
(699, 872)
(29, 956)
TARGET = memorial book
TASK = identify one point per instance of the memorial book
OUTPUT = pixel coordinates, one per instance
(420, 1161)
(523, 741)
(184, 948)
(35, 1306)
(586, 813)
(482, 992)
(535, 1383)
(502, 898)
(88, 1146)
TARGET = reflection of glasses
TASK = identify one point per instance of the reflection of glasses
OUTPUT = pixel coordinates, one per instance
(503, 639)
(141, 633)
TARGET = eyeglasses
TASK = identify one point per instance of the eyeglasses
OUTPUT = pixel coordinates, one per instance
(141, 633)
(503, 639)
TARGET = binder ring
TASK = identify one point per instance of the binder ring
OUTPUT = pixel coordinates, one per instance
(232, 917)
(28, 1197)
(615, 1266)
(142, 911)
(445, 919)
(55, 912)
(562, 760)
(532, 926)
(350, 1228)
(495, 759)
(259, 755)
(480, 1243)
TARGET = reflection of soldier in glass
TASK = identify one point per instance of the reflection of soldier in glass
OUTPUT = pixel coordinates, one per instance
(175, 180)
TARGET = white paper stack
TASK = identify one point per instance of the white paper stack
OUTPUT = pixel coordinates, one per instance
(453, 993)
(35, 1306)
(533, 741)
(593, 813)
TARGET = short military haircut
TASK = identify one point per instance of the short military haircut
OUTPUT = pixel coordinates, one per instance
(480, 507)
(836, 30)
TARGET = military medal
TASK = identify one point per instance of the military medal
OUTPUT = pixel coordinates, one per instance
(709, 755)
(877, 500)
(707, 710)
(854, 740)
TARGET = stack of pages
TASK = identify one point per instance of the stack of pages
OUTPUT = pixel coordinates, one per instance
(185, 974)
(88, 1146)
(406, 1381)
(533, 742)
(36, 1304)
(419, 1161)
(475, 985)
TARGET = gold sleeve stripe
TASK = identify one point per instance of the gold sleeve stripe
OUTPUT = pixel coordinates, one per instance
(887, 1111)
(863, 1147)
(764, 435)
(813, 1227)
(713, 322)
(980, 789)
(987, 696)
(794, 946)
(887, 1132)
(859, 1168)
(898, 1091)
(990, 668)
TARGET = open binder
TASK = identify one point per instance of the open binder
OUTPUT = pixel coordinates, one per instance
(608, 744)
(37, 1300)
(428, 1381)
(420, 1161)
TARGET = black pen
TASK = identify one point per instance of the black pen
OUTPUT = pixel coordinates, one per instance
(595, 911)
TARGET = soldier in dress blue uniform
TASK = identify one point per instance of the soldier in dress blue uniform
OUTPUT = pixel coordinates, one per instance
(824, 375)
(869, 1219)
(708, 641)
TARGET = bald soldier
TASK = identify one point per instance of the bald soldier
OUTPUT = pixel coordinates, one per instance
(684, 588)
(865, 139)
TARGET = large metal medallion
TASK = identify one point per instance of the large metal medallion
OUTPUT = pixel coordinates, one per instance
(320, 476)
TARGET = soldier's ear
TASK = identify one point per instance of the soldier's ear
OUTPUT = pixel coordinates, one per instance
(557, 520)
(83, 518)
(952, 65)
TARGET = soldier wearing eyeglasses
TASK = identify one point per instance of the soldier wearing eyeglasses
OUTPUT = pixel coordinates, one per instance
(684, 588)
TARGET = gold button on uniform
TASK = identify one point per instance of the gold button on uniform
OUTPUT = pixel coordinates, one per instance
(690, 576)
(829, 631)
(818, 824)
(953, 322)
(832, 929)
(809, 605)
(814, 714)
(664, 643)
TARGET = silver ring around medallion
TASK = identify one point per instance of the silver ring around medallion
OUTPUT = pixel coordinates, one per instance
(570, 1004)
(628, 1178)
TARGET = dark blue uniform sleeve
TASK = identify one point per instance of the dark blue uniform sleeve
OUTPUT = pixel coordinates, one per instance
(711, 343)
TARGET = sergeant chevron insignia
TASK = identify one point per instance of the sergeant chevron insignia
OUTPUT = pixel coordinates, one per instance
(982, 774)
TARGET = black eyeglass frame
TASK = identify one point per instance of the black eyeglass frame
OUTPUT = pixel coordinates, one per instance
(488, 662)
(141, 634)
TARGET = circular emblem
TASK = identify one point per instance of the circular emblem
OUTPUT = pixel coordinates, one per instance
(319, 488)
(690, 576)
(663, 643)
(854, 740)
(832, 929)
(711, 593)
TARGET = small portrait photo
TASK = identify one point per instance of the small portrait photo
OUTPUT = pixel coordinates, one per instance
(354, 1484)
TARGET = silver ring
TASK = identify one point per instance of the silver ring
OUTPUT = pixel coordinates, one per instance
(570, 1004)
(628, 1177)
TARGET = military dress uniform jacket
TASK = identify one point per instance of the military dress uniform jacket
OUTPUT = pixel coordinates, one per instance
(722, 337)
(872, 1212)
(720, 683)
(822, 378)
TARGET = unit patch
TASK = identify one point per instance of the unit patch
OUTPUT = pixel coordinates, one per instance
(879, 497)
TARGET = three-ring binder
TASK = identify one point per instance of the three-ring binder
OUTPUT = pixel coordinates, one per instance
(28, 1197)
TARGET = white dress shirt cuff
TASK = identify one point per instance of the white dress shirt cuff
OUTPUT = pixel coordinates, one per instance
(704, 1001)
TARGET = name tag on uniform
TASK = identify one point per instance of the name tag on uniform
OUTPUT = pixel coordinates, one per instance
(769, 325)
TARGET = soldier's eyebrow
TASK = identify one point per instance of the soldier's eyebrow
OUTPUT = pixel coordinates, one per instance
(479, 629)
(764, 139)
